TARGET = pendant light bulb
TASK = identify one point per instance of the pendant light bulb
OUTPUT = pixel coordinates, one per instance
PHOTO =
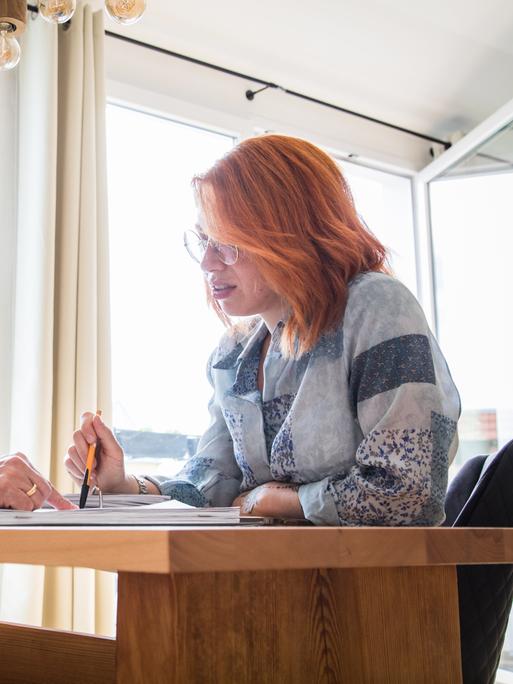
(10, 51)
(57, 11)
(125, 11)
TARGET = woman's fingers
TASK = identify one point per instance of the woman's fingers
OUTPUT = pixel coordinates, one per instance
(17, 479)
(74, 465)
(109, 445)
(21, 457)
(17, 500)
(86, 427)
(81, 445)
(35, 500)
(56, 500)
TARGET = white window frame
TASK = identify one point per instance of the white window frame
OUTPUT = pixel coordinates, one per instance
(422, 218)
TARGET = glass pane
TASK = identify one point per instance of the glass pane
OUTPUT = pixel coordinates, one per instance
(472, 219)
(384, 201)
(162, 330)
(494, 155)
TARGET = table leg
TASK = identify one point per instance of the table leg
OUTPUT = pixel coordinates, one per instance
(346, 625)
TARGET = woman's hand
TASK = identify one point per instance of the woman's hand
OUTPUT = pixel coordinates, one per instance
(272, 499)
(17, 477)
(108, 471)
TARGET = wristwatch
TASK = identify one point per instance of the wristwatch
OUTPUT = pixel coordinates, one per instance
(141, 483)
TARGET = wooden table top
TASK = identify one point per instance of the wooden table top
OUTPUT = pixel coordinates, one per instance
(207, 549)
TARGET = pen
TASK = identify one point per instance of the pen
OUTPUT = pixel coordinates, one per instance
(91, 453)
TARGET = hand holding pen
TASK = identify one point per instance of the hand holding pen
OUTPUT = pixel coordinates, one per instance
(107, 470)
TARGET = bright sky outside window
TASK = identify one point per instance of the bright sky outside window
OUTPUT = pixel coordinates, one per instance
(471, 219)
(162, 330)
(384, 202)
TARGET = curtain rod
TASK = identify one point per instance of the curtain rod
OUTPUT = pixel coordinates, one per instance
(250, 94)
(267, 84)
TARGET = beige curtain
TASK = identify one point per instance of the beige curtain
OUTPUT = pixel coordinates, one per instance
(61, 343)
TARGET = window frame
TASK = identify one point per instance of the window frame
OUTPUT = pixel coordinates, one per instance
(163, 106)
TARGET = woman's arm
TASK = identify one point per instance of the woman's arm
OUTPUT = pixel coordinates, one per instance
(272, 499)
(406, 406)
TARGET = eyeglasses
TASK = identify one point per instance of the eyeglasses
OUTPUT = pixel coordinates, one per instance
(197, 245)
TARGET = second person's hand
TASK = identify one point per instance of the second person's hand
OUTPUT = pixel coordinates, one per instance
(108, 471)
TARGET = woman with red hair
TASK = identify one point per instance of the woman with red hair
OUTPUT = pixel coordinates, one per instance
(331, 399)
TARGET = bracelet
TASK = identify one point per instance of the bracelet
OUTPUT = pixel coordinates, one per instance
(141, 483)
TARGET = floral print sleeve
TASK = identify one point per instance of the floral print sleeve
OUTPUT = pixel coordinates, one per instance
(405, 404)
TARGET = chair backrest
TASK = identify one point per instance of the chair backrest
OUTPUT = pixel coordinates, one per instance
(485, 591)
(461, 488)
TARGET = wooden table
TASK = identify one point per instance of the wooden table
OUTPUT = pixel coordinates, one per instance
(261, 605)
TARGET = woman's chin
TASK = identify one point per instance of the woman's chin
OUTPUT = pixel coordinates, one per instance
(231, 309)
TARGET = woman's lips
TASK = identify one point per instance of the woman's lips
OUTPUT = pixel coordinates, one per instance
(222, 291)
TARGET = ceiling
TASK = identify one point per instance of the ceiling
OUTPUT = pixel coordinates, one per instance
(435, 67)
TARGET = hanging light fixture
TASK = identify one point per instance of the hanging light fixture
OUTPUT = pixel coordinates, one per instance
(125, 11)
(13, 15)
(57, 11)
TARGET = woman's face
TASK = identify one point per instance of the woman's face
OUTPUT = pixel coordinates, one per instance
(239, 289)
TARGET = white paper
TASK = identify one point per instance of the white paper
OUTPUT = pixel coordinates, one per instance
(119, 511)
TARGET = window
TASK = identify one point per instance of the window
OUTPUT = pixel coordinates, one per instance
(384, 201)
(471, 216)
(472, 242)
(162, 330)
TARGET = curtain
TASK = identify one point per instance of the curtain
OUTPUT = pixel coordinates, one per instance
(61, 336)
(8, 170)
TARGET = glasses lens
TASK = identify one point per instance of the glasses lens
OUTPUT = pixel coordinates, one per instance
(227, 253)
(195, 246)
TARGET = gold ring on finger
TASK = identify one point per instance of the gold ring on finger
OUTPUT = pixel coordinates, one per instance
(32, 490)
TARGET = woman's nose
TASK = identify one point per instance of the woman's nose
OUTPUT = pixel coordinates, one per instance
(211, 260)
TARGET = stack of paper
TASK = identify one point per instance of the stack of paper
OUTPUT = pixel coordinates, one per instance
(166, 512)
(117, 500)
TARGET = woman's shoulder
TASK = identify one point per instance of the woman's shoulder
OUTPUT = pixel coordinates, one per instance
(373, 291)
(380, 307)
(374, 281)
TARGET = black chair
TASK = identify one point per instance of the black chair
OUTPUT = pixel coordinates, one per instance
(481, 495)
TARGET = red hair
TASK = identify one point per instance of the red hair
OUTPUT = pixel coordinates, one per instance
(285, 203)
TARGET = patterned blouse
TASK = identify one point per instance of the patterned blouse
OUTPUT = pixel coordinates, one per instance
(365, 423)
